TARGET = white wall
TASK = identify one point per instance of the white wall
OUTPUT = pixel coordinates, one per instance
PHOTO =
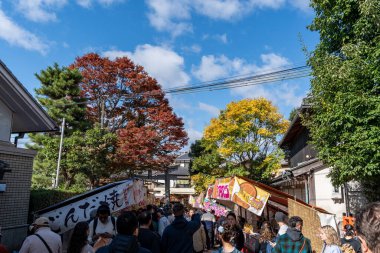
(324, 193)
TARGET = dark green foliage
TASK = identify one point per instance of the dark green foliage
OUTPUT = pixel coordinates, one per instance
(345, 117)
(87, 150)
(60, 94)
(42, 198)
(292, 114)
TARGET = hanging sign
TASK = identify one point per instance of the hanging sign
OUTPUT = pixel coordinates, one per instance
(122, 196)
(249, 196)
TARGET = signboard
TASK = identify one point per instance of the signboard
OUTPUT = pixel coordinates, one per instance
(128, 194)
(223, 188)
(249, 196)
(242, 193)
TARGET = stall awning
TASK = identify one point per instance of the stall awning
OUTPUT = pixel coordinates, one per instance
(252, 195)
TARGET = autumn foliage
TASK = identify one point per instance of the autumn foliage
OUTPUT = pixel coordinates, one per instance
(132, 104)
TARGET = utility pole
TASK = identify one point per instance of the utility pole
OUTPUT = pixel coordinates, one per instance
(59, 154)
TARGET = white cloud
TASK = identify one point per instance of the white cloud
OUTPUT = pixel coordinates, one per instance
(280, 94)
(222, 38)
(212, 68)
(215, 67)
(170, 16)
(214, 111)
(39, 10)
(84, 3)
(174, 16)
(303, 5)
(18, 36)
(232, 9)
(195, 48)
(161, 63)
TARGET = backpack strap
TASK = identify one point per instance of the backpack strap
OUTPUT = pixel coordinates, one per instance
(46, 245)
(113, 223)
(94, 225)
(303, 245)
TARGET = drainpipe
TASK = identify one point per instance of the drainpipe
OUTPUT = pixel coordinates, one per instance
(307, 186)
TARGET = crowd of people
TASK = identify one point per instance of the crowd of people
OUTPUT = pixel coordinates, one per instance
(178, 230)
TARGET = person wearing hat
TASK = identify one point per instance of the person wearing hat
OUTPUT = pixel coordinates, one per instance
(178, 236)
(43, 240)
(282, 221)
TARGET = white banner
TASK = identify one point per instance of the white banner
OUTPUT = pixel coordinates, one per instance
(119, 197)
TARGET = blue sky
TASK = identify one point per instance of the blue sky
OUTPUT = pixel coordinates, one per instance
(179, 42)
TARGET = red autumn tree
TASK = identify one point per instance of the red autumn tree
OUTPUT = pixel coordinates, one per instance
(133, 105)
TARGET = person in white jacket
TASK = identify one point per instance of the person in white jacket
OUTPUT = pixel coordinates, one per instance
(43, 240)
(199, 237)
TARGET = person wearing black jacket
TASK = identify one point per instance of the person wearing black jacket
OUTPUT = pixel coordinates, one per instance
(239, 239)
(148, 238)
(178, 236)
(125, 241)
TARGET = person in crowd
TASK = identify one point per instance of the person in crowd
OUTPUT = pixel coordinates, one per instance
(102, 228)
(178, 236)
(147, 238)
(43, 240)
(163, 222)
(126, 239)
(239, 238)
(267, 238)
(208, 220)
(350, 239)
(367, 224)
(199, 237)
(293, 240)
(78, 241)
(282, 221)
(227, 235)
(331, 242)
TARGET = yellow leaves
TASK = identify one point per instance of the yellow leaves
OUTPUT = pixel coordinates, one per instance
(244, 122)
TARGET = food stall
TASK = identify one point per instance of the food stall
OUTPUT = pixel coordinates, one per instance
(257, 202)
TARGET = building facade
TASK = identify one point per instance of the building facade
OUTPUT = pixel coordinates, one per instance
(307, 177)
(19, 114)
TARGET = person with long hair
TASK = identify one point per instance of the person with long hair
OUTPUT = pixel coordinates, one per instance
(78, 242)
(267, 238)
(227, 234)
(331, 240)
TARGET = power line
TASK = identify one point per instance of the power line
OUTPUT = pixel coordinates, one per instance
(226, 83)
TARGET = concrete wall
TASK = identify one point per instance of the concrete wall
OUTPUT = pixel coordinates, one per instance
(14, 202)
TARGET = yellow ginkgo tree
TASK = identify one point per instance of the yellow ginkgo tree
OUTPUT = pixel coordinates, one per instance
(246, 135)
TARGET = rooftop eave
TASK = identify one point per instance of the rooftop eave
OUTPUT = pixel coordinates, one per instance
(28, 114)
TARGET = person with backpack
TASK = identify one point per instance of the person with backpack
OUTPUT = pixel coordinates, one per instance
(293, 240)
(103, 226)
(43, 240)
